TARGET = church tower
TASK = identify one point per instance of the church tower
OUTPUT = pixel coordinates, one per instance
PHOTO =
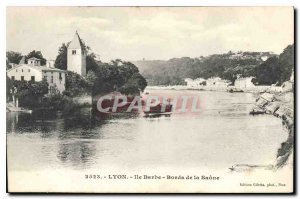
(77, 56)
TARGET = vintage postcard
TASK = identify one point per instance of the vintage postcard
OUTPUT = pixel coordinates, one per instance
(150, 99)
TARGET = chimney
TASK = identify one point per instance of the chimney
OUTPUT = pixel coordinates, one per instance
(50, 63)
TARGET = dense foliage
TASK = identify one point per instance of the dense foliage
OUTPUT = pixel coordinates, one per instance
(117, 76)
(101, 77)
(174, 71)
(36, 54)
(61, 60)
(34, 95)
(29, 93)
(12, 57)
(15, 57)
(226, 66)
(276, 70)
(76, 85)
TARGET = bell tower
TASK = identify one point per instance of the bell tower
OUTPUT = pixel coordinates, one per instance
(76, 56)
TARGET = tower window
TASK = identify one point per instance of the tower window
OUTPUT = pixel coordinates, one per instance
(52, 79)
(73, 52)
(22, 78)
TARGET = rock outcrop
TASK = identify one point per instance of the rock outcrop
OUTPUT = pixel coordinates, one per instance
(282, 106)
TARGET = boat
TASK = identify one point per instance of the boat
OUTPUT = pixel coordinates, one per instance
(235, 90)
(158, 109)
(257, 111)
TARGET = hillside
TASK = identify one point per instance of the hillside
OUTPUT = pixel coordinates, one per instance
(226, 66)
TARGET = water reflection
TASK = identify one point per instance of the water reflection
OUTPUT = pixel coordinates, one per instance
(79, 154)
(221, 132)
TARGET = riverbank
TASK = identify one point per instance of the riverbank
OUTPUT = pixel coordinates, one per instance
(255, 89)
(53, 103)
(280, 105)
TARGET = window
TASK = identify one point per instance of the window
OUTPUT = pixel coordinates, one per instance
(13, 77)
(45, 77)
(52, 79)
(16, 70)
(73, 52)
(52, 89)
(32, 78)
(28, 70)
(22, 78)
(22, 70)
(60, 77)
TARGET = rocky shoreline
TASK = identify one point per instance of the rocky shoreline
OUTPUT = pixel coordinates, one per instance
(280, 105)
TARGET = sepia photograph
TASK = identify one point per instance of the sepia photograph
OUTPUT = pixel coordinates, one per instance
(150, 99)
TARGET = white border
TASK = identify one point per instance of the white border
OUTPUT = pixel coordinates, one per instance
(5, 3)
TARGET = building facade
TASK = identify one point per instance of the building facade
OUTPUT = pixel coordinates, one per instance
(33, 71)
(76, 56)
(244, 82)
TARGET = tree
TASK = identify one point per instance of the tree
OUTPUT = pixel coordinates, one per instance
(75, 84)
(61, 60)
(276, 69)
(12, 57)
(268, 72)
(134, 85)
(286, 61)
(101, 77)
(36, 54)
(28, 92)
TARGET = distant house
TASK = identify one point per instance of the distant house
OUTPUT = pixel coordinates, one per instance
(244, 82)
(217, 82)
(195, 83)
(213, 83)
(33, 71)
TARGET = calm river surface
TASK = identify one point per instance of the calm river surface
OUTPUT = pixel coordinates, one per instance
(221, 135)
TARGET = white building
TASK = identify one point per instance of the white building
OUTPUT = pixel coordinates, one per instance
(244, 83)
(50, 63)
(77, 56)
(217, 82)
(196, 83)
(214, 83)
(33, 71)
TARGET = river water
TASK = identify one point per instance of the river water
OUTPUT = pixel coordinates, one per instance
(220, 135)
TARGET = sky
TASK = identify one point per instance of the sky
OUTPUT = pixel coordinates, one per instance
(160, 33)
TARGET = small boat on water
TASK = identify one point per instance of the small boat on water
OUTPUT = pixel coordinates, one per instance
(235, 90)
(159, 109)
(257, 111)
